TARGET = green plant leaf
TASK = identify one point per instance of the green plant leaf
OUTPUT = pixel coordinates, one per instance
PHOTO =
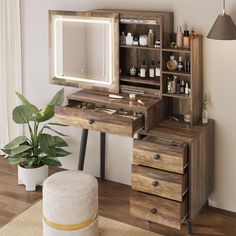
(15, 142)
(20, 149)
(46, 114)
(60, 152)
(57, 132)
(57, 99)
(26, 102)
(22, 114)
(58, 124)
(15, 160)
(7, 151)
(59, 142)
(51, 161)
(47, 144)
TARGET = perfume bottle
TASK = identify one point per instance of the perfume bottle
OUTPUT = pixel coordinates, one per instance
(122, 38)
(186, 89)
(158, 70)
(133, 71)
(172, 63)
(182, 88)
(177, 85)
(179, 37)
(173, 89)
(150, 38)
(186, 40)
(180, 64)
(169, 85)
(129, 39)
(143, 70)
(152, 70)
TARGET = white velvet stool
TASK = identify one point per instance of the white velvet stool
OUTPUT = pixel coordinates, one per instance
(70, 204)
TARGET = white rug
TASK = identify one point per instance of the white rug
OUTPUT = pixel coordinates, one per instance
(29, 223)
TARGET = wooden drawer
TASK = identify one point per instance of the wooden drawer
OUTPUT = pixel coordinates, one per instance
(168, 156)
(158, 210)
(98, 120)
(160, 183)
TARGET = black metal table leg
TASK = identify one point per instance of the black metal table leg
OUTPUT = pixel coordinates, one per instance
(83, 145)
(102, 155)
(190, 228)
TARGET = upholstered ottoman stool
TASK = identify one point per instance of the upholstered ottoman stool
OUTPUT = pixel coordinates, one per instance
(70, 204)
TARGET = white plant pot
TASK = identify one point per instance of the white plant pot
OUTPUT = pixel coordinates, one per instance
(32, 177)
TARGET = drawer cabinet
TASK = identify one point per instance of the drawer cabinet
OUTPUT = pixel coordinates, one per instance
(160, 183)
(159, 210)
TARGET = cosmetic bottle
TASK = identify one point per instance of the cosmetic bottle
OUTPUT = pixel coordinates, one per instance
(129, 39)
(182, 88)
(122, 38)
(179, 37)
(177, 85)
(169, 85)
(133, 71)
(180, 64)
(186, 40)
(186, 89)
(158, 70)
(143, 70)
(172, 63)
(152, 70)
(150, 38)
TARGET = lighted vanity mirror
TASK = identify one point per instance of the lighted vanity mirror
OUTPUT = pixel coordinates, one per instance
(83, 50)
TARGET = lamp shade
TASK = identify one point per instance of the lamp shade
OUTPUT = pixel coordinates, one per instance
(223, 28)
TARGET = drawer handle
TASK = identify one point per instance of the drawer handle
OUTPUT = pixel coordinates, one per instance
(153, 210)
(157, 157)
(91, 121)
(155, 183)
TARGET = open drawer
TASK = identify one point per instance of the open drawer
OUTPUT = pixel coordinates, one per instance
(100, 118)
(158, 209)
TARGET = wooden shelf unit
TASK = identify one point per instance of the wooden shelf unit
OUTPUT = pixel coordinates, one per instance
(178, 103)
(139, 24)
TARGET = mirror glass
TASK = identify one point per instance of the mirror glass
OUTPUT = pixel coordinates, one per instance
(82, 49)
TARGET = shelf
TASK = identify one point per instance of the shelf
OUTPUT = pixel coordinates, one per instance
(176, 72)
(175, 95)
(182, 50)
(133, 79)
(139, 47)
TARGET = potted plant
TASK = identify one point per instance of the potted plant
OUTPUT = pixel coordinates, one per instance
(35, 153)
(204, 109)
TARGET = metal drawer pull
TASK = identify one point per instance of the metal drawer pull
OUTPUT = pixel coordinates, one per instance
(157, 157)
(155, 183)
(153, 210)
(91, 121)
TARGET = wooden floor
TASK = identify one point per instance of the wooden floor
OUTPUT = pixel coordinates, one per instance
(113, 203)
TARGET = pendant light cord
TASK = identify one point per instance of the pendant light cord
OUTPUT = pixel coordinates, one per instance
(223, 7)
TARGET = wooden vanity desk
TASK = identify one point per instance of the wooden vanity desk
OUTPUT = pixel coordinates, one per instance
(173, 162)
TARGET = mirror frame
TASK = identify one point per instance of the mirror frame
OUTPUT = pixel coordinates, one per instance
(111, 86)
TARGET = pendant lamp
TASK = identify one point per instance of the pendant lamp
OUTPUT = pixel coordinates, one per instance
(223, 28)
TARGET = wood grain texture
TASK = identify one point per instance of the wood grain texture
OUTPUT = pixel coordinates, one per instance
(161, 183)
(160, 156)
(201, 159)
(114, 204)
(158, 210)
(86, 119)
(114, 20)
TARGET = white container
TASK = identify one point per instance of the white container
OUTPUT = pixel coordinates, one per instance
(204, 117)
(32, 177)
(70, 200)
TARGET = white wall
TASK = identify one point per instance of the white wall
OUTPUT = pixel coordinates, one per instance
(219, 82)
